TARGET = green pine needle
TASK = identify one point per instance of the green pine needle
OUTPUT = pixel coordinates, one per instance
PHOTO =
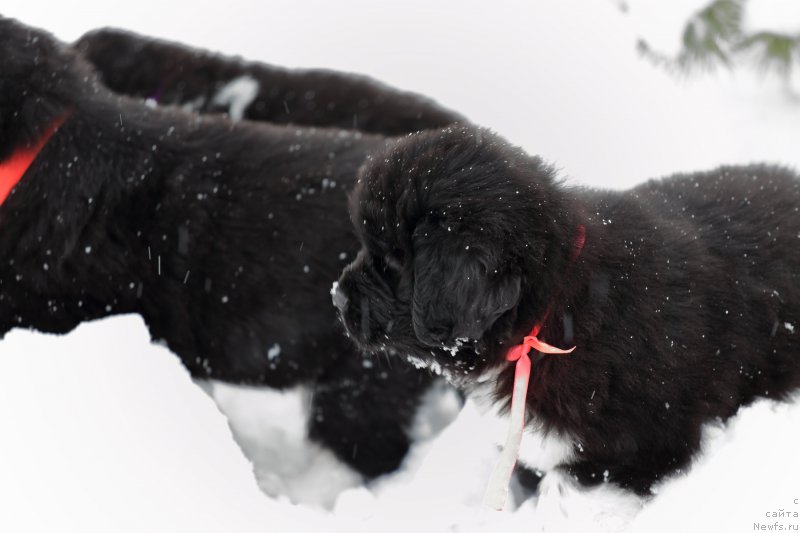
(773, 51)
(713, 36)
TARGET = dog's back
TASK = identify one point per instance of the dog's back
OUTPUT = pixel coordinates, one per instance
(742, 224)
(225, 237)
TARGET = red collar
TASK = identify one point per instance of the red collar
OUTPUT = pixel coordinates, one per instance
(14, 166)
(497, 490)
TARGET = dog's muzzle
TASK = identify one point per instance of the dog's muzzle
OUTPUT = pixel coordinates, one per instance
(353, 306)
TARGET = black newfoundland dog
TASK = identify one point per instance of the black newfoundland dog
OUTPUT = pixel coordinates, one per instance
(681, 296)
(224, 236)
(167, 73)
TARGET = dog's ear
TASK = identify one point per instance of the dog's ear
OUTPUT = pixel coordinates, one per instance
(462, 284)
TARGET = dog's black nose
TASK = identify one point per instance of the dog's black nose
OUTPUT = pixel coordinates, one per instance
(339, 297)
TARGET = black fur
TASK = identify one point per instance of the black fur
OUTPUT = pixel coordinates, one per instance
(684, 304)
(224, 236)
(172, 74)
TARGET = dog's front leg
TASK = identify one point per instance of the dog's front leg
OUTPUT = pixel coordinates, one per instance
(364, 414)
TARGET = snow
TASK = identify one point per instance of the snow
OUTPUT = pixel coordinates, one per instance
(100, 435)
(750, 469)
(272, 433)
(103, 431)
(274, 351)
(237, 94)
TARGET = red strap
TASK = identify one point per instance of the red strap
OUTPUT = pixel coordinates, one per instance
(498, 485)
(577, 245)
(15, 166)
(497, 489)
(532, 341)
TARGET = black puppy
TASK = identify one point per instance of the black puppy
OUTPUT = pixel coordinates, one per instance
(224, 236)
(681, 296)
(166, 73)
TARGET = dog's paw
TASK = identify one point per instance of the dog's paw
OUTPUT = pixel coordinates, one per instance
(564, 505)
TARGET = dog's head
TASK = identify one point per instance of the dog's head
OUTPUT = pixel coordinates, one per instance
(461, 236)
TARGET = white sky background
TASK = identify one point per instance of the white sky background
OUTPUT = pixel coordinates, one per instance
(559, 77)
(103, 433)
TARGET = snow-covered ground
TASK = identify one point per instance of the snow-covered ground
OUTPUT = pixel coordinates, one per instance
(104, 432)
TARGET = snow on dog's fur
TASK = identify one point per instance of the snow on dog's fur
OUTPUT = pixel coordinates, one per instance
(223, 236)
(682, 304)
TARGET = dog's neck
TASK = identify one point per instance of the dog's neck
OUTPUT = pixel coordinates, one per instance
(14, 167)
(567, 274)
(94, 228)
